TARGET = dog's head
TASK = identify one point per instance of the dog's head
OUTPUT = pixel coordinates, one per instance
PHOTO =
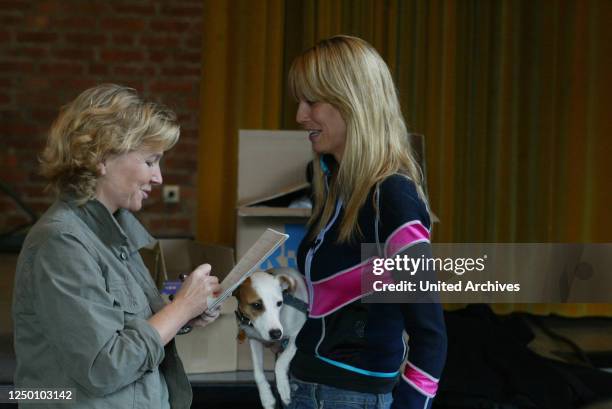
(260, 299)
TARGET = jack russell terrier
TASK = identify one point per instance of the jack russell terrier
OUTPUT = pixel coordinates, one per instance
(272, 308)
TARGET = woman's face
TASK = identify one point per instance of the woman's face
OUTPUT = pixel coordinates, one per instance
(325, 126)
(126, 179)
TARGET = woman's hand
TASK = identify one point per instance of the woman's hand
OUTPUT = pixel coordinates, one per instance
(189, 303)
(206, 318)
(197, 287)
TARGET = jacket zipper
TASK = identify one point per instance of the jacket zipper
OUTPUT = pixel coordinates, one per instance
(315, 246)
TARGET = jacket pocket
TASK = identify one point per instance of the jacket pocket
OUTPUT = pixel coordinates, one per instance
(345, 335)
(125, 299)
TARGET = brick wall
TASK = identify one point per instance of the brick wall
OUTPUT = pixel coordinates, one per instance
(52, 50)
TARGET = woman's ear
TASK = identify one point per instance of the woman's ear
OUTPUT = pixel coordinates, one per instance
(101, 169)
(287, 283)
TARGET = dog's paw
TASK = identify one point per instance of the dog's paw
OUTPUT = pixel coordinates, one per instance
(267, 399)
(284, 390)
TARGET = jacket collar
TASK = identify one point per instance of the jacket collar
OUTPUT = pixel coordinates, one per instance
(118, 229)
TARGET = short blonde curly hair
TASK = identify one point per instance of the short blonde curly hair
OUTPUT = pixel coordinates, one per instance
(104, 120)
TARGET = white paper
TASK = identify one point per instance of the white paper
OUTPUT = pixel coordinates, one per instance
(269, 241)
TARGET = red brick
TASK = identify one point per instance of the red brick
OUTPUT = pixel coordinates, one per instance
(181, 71)
(160, 41)
(26, 52)
(188, 142)
(44, 115)
(13, 67)
(61, 68)
(13, 178)
(137, 9)
(193, 103)
(178, 179)
(194, 42)
(16, 129)
(35, 83)
(193, 57)
(159, 56)
(90, 8)
(36, 22)
(172, 86)
(176, 10)
(14, 5)
(48, 7)
(5, 36)
(121, 55)
(156, 224)
(37, 37)
(36, 191)
(182, 225)
(84, 31)
(188, 193)
(75, 84)
(125, 24)
(121, 70)
(74, 53)
(85, 39)
(98, 69)
(122, 40)
(16, 220)
(75, 23)
(41, 207)
(171, 25)
(10, 20)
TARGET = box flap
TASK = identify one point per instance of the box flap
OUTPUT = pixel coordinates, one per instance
(182, 256)
(269, 159)
(275, 204)
(267, 211)
(294, 189)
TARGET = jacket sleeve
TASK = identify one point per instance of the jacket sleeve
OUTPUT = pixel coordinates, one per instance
(427, 343)
(98, 344)
(405, 226)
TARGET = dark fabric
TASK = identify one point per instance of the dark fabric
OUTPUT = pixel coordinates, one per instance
(490, 366)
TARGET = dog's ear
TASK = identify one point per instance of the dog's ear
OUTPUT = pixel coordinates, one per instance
(287, 282)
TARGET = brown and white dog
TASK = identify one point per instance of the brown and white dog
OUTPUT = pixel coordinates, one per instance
(272, 308)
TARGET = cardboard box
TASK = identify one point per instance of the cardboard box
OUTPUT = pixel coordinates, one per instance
(271, 174)
(209, 349)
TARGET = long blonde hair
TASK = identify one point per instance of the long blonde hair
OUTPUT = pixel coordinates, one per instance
(103, 120)
(349, 74)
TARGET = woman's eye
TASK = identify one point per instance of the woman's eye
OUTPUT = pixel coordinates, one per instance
(149, 164)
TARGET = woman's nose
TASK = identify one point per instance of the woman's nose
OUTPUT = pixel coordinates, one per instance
(156, 178)
(303, 113)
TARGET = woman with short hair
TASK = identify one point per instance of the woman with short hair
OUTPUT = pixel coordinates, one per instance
(87, 315)
(368, 188)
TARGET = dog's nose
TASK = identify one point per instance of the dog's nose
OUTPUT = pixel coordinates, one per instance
(275, 333)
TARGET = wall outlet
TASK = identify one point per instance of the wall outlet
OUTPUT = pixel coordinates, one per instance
(171, 194)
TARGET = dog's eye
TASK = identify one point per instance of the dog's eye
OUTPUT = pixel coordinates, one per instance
(278, 304)
(257, 306)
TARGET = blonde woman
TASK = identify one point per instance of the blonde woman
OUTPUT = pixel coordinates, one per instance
(367, 189)
(87, 316)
